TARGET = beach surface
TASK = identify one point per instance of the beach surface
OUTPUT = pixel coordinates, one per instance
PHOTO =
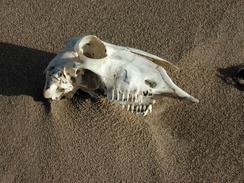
(85, 140)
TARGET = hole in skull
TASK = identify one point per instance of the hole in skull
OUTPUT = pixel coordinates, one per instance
(94, 49)
(78, 71)
(150, 83)
(73, 79)
(145, 93)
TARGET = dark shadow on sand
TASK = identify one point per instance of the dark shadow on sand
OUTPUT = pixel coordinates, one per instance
(229, 76)
(21, 71)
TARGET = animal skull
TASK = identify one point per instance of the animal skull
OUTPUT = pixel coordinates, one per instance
(61, 74)
(130, 76)
(127, 75)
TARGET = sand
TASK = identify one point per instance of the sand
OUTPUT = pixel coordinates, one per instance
(84, 140)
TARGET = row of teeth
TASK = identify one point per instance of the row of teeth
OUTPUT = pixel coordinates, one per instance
(139, 109)
(133, 102)
(129, 97)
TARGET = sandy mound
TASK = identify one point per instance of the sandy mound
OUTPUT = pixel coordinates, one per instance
(81, 140)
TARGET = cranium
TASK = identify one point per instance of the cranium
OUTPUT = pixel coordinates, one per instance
(61, 74)
(129, 76)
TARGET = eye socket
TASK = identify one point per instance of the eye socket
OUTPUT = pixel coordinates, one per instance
(150, 83)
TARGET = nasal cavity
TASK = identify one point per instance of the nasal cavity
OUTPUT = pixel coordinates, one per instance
(150, 83)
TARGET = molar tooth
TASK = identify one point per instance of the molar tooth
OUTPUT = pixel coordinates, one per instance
(132, 97)
(128, 96)
(113, 94)
(144, 108)
(140, 108)
(150, 108)
(141, 97)
(136, 97)
(123, 96)
(146, 112)
(132, 107)
(118, 95)
(137, 108)
(128, 107)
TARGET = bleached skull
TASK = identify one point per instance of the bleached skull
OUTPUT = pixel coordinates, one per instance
(61, 74)
(129, 76)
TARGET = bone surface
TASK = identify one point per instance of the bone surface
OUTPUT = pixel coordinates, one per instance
(127, 75)
(128, 69)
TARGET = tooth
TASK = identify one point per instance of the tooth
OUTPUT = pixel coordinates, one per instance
(145, 113)
(118, 95)
(136, 97)
(132, 97)
(150, 108)
(137, 108)
(132, 107)
(123, 96)
(144, 108)
(113, 94)
(140, 108)
(128, 96)
(128, 107)
(123, 106)
(141, 98)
